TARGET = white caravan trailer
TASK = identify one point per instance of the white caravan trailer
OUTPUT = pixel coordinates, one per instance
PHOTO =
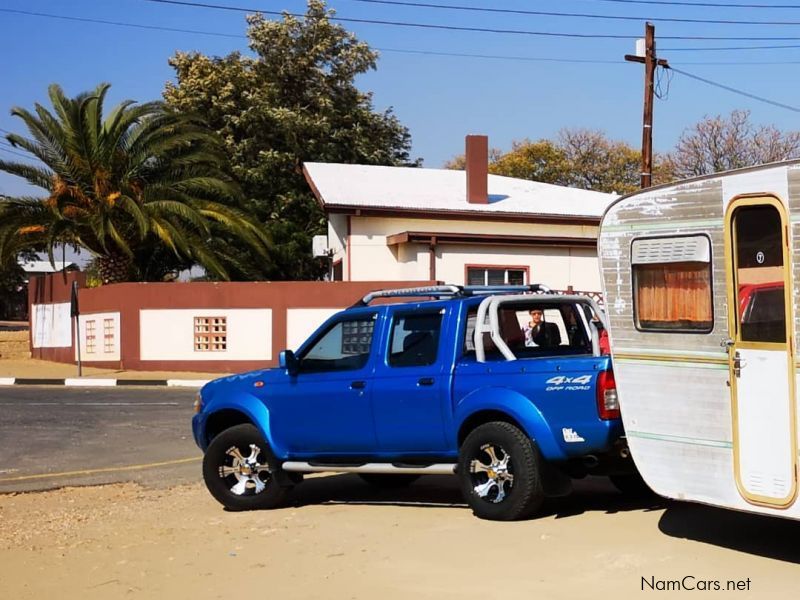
(700, 289)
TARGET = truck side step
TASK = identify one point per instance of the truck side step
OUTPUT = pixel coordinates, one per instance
(435, 469)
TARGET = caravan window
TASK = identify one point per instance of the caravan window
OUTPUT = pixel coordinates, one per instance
(672, 284)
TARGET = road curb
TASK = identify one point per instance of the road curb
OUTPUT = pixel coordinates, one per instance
(86, 382)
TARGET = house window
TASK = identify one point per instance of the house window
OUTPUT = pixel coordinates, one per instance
(672, 284)
(91, 337)
(497, 275)
(210, 334)
(108, 335)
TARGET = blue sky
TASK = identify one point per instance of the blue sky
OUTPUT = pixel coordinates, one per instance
(440, 98)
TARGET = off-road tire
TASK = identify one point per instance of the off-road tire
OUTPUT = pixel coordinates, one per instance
(220, 486)
(525, 495)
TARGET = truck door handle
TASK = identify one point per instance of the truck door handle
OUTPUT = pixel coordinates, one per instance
(358, 385)
(425, 381)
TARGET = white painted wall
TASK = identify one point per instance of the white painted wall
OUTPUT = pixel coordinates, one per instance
(302, 322)
(390, 225)
(168, 334)
(337, 235)
(372, 260)
(100, 353)
(52, 325)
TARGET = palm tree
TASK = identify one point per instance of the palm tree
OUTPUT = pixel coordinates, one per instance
(144, 182)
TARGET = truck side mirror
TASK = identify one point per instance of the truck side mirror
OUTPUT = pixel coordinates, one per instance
(287, 360)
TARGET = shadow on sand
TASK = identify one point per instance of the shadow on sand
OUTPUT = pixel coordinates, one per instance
(589, 495)
(770, 537)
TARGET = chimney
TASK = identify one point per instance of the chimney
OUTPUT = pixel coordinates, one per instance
(477, 161)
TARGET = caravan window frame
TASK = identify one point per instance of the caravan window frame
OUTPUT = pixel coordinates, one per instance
(635, 288)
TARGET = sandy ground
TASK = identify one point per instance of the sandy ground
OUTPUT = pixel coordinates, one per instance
(33, 368)
(341, 541)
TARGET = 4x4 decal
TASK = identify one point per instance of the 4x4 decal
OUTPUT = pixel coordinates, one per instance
(564, 383)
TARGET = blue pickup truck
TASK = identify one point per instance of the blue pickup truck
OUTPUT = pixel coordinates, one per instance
(507, 389)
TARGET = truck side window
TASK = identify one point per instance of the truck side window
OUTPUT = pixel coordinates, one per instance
(343, 347)
(415, 339)
(543, 330)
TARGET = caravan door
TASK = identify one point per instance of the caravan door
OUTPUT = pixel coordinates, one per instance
(760, 350)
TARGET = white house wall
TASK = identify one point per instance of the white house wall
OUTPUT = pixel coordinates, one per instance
(102, 348)
(383, 226)
(168, 334)
(302, 322)
(371, 258)
(337, 234)
(555, 267)
(51, 325)
(584, 270)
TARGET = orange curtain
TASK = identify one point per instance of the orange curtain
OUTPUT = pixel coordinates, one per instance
(674, 295)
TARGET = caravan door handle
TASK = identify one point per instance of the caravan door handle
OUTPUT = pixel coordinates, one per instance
(425, 381)
(358, 385)
(738, 364)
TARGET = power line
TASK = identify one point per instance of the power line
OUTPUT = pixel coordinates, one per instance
(370, 21)
(365, 21)
(715, 48)
(743, 63)
(502, 57)
(510, 11)
(14, 152)
(186, 3)
(214, 33)
(736, 91)
(399, 23)
(453, 54)
(120, 23)
(703, 4)
(441, 53)
(577, 60)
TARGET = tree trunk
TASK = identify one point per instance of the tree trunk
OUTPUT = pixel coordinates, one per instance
(114, 268)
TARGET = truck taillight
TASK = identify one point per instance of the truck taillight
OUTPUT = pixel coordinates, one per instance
(607, 401)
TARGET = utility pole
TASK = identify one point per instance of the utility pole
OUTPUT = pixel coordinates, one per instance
(650, 62)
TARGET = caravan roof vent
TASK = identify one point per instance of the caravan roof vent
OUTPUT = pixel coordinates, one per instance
(687, 248)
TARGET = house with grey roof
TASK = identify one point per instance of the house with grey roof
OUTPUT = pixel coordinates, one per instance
(461, 227)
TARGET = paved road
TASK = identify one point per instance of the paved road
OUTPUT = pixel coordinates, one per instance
(97, 435)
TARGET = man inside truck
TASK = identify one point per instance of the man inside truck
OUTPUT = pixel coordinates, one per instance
(539, 332)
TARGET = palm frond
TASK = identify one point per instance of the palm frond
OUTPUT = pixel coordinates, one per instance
(34, 175)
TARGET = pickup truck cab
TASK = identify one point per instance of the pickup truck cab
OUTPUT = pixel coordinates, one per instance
(470, 382)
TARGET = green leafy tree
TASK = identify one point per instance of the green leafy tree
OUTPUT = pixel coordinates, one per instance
(541, 161)
(143, 189)
(12, 288)
(294, 100)
(580, 158)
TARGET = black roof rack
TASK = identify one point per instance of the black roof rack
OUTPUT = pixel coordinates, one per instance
(452, 291)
